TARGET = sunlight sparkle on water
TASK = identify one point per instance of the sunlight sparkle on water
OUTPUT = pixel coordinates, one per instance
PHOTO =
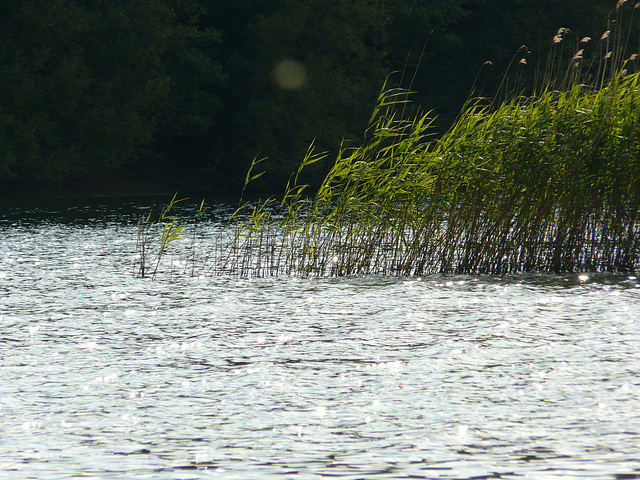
(31, 424)
(351, 377)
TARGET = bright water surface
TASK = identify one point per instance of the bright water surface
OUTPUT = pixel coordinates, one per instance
(104, 375)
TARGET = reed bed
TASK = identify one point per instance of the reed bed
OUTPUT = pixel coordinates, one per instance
(541, 184)
(548, 182)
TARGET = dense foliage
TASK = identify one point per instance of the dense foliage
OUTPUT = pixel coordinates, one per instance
(192, 90)
(543, 183)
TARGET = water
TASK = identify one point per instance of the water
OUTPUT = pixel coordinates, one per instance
(104, 375)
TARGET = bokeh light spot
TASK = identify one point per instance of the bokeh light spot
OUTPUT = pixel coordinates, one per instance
(289, 75)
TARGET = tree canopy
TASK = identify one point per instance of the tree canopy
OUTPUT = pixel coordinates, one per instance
(195, 89)
(86, 83)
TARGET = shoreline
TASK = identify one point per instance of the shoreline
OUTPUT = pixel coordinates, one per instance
(101, 183)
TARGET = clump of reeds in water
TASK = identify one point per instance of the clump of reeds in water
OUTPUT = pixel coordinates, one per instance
(549, 182)
(171, 229)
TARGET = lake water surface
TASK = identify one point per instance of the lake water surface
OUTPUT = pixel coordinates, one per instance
(104, 375)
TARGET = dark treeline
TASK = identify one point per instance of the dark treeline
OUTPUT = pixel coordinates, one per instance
(188, 92)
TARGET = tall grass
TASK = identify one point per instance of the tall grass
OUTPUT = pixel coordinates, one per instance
(548, 182)
(169, 228)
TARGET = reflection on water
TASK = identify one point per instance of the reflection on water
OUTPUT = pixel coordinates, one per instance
(108, 376)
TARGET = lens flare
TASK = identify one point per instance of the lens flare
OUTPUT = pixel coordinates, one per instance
(289, 75)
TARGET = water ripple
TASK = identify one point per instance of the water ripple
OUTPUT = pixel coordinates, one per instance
(105, 376)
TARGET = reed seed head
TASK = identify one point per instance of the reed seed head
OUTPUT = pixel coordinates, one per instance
(578, 54)
(633, 57)
(605, 35)
(607, 56)
(561, 32)
(488, 62)
(523, 61)
(585, 40)
(620, 3)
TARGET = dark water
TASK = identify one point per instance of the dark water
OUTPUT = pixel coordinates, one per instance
(104, 375)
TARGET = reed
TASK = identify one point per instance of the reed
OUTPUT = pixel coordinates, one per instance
(156, 235)
(548, 182)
